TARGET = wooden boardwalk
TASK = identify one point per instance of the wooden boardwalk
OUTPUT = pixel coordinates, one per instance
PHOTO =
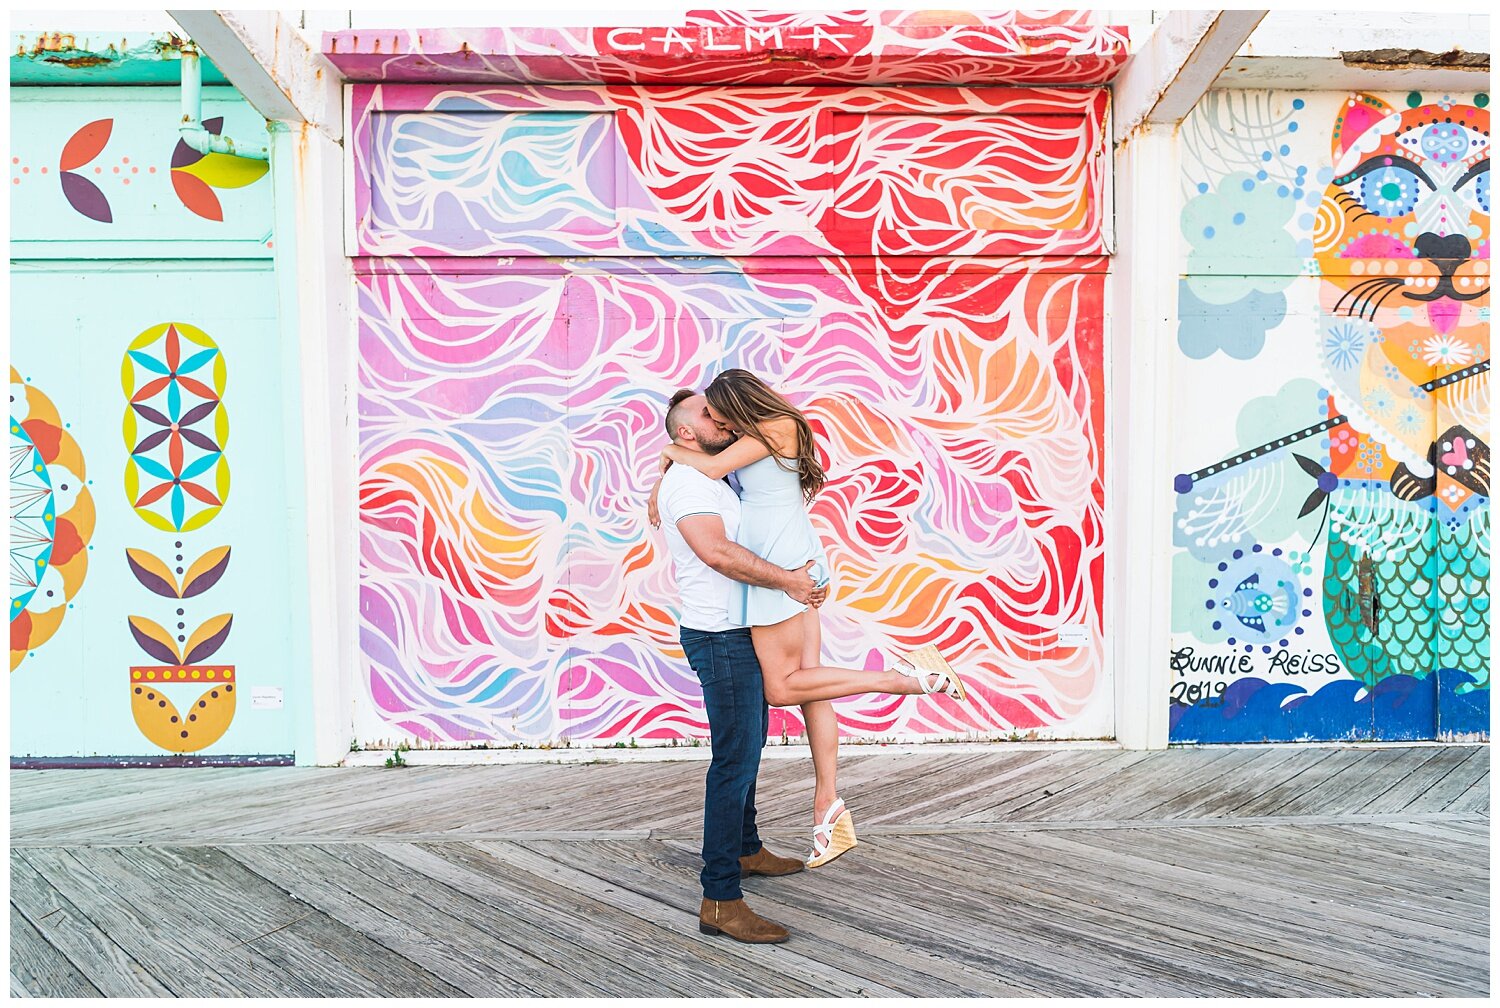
(1278, 871)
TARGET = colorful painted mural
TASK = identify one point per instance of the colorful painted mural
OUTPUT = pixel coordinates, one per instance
(1332, 522)
(51, 519)
(753, 47)
(116, 285)
(921, 270)
(177, 476)
(177, 480)
(100, 170)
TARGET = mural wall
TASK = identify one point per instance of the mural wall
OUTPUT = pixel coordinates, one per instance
(143, 321)
(1332, 525)
(920, 270)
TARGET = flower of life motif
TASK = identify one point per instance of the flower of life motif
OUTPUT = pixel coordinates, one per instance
(175, 427)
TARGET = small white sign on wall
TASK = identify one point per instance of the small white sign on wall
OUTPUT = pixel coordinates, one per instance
(1073, 635)
(265, 697)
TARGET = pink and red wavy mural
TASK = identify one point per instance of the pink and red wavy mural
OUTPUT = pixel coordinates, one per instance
(763, 48)
(920, 270)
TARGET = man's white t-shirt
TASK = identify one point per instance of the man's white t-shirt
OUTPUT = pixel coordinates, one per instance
(705, 592)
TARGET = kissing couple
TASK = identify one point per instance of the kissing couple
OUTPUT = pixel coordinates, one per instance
(735, 487)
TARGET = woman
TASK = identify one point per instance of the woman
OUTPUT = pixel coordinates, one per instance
(779, 475)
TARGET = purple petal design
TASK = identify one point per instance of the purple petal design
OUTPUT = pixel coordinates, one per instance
(152, 582)
(208, 647)
(85, 197)
(203, 582)
(197, 413)
(155, 416)
(151, 441)
(201, 440)
(156, 649)
(183, 155)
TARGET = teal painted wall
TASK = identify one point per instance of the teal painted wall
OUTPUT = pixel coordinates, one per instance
(169, 585)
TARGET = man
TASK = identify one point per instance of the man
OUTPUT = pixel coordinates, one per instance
(702, 516)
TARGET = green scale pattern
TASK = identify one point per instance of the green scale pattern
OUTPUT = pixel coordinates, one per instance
(1431, 581)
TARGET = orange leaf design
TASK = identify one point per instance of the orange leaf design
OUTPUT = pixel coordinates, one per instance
(196, 195)
(85, 145)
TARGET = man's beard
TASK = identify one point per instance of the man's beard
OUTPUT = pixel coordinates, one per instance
(714, 448)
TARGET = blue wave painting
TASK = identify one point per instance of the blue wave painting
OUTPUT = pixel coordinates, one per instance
(1400, 708)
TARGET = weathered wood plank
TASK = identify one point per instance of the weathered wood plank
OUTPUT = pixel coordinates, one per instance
(889, 797)
(1272, 765)
(202, 935)
(1045, 960)
(1030, 914)
(986, 778)
(675, 907)
(432, 800)
(1041, 781)
(840, 940)
(1441, 795)
(1401, 796)
(70, 931)
(1286, 853)
(1319, 768)
(1351, 769)
(1380, 770)
(39, 970)
(1119, 775)
(467, 952)
(668, 868)
(685, 962)
(167, 941)
(1236, 887)
(1201, 793)
(1145, 893)
(626, 954)
(1475, 799)
(1000, 781)
(303, 942)
(1183, 945)
(179, 795)
(1124, 796)
(1392, 854)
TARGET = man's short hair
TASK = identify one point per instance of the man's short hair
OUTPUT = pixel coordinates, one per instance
(674, 415)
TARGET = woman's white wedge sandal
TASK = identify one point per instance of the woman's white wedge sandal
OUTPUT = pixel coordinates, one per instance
(833, 836)
(932, 672)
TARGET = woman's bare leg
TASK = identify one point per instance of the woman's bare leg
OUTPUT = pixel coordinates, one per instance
(789, 683)
(822, 725)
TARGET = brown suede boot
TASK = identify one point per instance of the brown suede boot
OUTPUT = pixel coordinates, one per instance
(734, 918)
(763, 862)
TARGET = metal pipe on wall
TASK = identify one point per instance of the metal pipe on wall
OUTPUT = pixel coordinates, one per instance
(191, 128)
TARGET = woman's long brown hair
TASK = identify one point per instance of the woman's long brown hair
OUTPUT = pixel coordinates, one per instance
(747, 402)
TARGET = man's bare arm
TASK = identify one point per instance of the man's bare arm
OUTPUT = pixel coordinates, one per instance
(705, 535)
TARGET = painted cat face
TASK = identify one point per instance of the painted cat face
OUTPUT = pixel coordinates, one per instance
(1402, 243)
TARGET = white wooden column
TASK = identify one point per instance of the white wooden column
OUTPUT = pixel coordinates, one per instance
(1158, 88)
(301, 93)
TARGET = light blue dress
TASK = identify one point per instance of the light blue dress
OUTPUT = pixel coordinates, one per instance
(774, 525)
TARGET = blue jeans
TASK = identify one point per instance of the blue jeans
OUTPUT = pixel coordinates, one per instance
(738, 720)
